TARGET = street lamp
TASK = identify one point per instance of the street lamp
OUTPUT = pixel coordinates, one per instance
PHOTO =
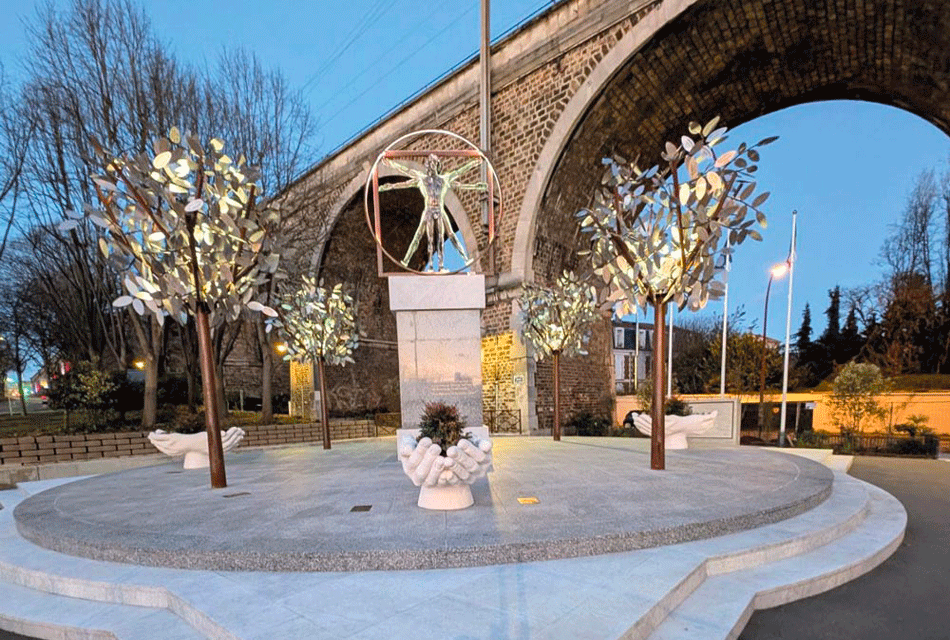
(777, 271)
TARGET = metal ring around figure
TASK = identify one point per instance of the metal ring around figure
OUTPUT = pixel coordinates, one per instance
(372, 185)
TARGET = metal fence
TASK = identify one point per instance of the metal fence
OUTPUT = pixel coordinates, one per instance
(502, 420)
(387, 423)
(927, 446)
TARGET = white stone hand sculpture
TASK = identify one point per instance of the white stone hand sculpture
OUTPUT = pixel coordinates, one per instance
(677, 427)
(444, 480)
(194, 446)
(463, 463)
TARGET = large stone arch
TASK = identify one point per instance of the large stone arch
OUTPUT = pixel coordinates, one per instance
(693, 59)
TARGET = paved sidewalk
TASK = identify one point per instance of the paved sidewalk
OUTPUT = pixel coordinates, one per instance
(907, 596)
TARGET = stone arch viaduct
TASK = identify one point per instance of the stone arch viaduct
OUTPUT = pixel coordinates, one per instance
(585, 78)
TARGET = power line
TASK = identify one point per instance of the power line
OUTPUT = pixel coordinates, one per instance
(372, 65)
(371, 17)
(401, 63)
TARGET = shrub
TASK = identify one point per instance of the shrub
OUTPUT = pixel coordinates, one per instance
(126, 395)
(442, 424)
(586, 424)
(173, 389)
(84, 387)
(916, 425)
(854, 395)
(674, 406)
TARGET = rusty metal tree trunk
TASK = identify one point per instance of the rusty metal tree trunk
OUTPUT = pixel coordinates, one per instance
(324, 408)
(556, 429)
(206, 360)
(658, 417)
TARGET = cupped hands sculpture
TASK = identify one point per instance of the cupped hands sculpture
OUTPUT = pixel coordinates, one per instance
(194, 446)
(444, 479)
(677, 427)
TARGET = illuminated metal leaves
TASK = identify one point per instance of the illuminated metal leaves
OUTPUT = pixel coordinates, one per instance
(317, 323)
(558, 318)
(656, 235)
(183, 224)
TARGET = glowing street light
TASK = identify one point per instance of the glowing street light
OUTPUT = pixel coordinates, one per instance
(139, 364)
(280, 348)
(777, 271)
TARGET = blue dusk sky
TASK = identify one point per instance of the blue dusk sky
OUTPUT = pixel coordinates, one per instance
(847, 167)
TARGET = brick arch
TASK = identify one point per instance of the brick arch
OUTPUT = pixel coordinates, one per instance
(353, 191)
(693, 59)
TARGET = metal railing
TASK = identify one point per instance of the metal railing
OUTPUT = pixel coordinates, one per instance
(502, 420)
(927, 446)
(387, 423)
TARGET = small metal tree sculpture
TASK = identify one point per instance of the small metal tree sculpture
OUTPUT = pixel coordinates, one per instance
(656, 234)
(556, 320)
(184, 226)
(319, 326)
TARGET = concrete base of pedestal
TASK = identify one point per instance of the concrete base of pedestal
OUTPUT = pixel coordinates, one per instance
(451, 498)
(439, 333)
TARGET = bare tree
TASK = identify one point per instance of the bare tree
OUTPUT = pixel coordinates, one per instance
(909, 248)
(96, 69)
(17, 125)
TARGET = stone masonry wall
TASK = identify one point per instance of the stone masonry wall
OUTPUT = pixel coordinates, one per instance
(525, 109)
(50, 449)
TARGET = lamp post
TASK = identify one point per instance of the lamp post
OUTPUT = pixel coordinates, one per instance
(776, 271)
(669, 357)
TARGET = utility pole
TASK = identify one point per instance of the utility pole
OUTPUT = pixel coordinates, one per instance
(484, 111)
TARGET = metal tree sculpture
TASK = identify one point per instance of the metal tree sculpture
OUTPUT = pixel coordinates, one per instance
(556, 320)
(183, 224)
(656, 234)
(319, 326)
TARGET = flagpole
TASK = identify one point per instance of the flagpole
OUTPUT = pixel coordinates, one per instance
(636, 353)
(727, 266)
(788, 328)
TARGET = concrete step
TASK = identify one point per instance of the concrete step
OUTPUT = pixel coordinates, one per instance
(561, 598)
(721, 606)
(42, 615)
(644, 596)
(190, 604)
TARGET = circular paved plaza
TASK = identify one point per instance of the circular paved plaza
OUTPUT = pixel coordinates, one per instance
(352, 508)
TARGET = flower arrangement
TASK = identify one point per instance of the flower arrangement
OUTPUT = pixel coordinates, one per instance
(443, 425)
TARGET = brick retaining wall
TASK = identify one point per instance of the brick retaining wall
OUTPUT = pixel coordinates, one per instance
(49, 449)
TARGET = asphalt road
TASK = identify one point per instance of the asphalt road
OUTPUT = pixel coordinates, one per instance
(908, 596)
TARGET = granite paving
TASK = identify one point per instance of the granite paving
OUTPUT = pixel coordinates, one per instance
(291, 509)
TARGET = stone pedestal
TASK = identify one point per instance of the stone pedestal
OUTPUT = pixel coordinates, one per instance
(439, 332)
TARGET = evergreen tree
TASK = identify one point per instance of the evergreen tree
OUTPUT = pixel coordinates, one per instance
(803, 337)
(807, 353)
(851, 341)
(825, 349)
(833, 331)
